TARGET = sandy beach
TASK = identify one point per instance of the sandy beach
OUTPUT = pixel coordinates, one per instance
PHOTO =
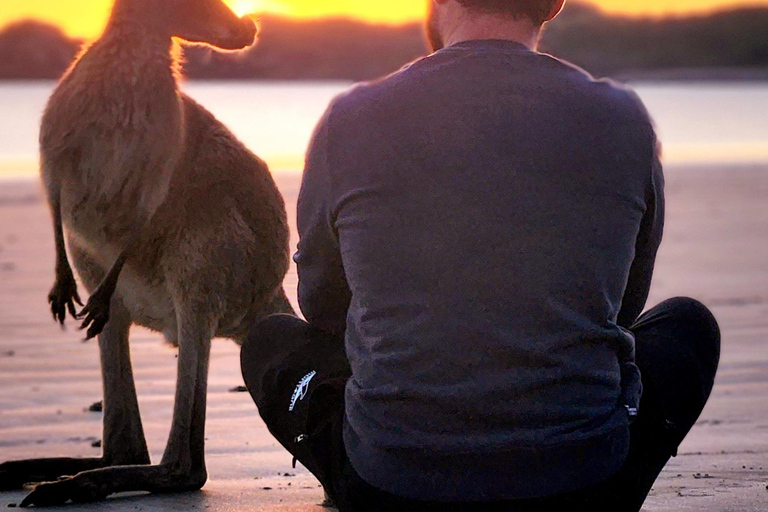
(715, 249)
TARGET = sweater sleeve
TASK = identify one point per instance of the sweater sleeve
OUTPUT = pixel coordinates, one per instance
(324, 294)
(646, 247)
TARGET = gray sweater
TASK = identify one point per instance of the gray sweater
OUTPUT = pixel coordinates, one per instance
(483, 226)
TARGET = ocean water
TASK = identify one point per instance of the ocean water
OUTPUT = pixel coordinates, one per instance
(698, 123)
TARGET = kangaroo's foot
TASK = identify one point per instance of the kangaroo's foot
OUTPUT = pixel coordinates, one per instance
(64, 295)
(96, 485)
(14, 474)
(96, 312)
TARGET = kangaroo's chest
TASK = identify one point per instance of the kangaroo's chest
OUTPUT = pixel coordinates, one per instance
(112, 147)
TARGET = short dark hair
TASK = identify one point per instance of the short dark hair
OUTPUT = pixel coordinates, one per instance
(534, 10)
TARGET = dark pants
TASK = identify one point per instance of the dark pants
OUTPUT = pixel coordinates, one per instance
(678, 349)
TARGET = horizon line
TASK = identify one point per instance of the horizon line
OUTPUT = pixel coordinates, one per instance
(350, 17)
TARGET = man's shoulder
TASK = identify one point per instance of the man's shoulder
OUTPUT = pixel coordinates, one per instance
(367, 95)
(607, 92)
(623, 98)
(414, 80)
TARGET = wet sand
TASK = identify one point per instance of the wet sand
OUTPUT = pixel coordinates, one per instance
(715, 249)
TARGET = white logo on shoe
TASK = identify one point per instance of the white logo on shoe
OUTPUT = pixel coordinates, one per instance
(301, 389)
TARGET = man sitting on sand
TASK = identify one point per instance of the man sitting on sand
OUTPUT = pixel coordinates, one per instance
(478, 233)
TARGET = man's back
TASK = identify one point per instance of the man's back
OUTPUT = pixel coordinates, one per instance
(479, 223)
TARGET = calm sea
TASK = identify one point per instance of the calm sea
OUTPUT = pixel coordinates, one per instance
(699, 123)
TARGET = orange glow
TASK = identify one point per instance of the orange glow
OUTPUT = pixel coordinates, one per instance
(85, 18)
(243, 7)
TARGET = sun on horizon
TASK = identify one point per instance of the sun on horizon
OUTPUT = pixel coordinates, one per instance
(86, 18)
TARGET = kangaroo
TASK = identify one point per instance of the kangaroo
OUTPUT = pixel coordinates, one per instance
(171, 224)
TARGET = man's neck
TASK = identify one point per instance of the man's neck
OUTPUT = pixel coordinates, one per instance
(494, 27)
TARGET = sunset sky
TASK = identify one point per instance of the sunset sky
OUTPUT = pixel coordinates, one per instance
(85, 18)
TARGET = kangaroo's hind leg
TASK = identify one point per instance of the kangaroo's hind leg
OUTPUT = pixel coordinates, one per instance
(183, 464)
(123, 441)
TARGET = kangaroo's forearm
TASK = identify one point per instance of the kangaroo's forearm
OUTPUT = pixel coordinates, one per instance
(110, 281)
(63, 295)
(95, 315)
(62, 261)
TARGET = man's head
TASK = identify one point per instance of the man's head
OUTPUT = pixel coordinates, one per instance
(487, 18)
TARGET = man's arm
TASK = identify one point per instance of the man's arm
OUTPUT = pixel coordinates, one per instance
(324, 294)
(646, 247)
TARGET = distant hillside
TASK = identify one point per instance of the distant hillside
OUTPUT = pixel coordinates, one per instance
(328, 49)
(611, 46)
(726, 44)
(35, 50)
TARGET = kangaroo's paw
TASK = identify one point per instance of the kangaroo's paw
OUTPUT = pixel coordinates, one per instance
(98, 484)
(63, 296)
(95, 314)
(70, 488)
(14, 474)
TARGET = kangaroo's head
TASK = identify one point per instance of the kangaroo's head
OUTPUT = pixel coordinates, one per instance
(210, 22)
(197, 21)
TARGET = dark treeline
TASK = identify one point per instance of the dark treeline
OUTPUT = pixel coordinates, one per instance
(326, 49)
(619, 46)
(729, 43)
(34, 50)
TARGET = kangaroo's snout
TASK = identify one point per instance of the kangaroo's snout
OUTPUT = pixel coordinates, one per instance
(209, 22)
(241, 36)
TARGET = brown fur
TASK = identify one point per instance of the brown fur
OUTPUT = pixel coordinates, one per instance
(153, 190)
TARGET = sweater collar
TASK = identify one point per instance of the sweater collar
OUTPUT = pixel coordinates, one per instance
(490, 44)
